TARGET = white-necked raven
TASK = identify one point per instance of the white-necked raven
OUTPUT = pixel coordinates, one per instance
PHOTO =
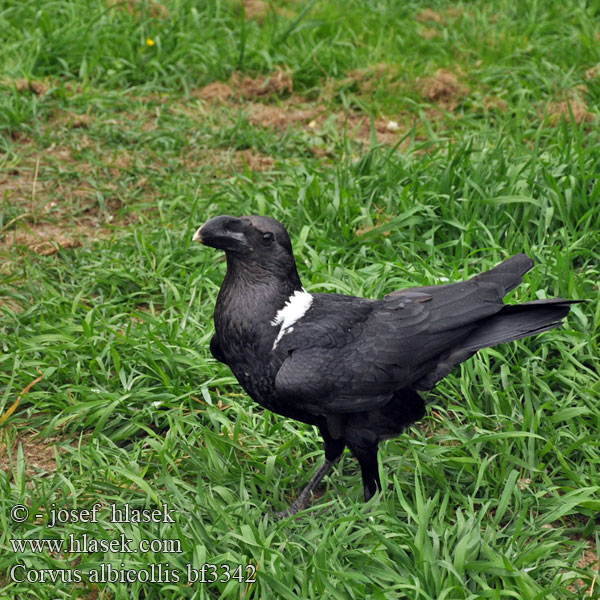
(352, 366)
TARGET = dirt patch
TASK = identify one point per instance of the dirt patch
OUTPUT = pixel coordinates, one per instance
(428, 33)
(140, 8)
(282, 116)
(254, 160)
(46, 238)
(256, 9)
(72, 120)
(6, 302)
(292, 111)
(279, 83)
(587, 560)
(41, 87)
(38, 453)
(593, 72)
(38, 87)
(50, 199)
(220, 160)
(359, 128)
(368, 228)
(316, 120)
(367, 79)
(259, 10)
(494, 103)
(573, 109)
(19, 185)
(427, 15)
(216, 91)
(444, 89)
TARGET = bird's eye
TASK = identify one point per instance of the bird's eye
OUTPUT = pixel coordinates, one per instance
(267, 238)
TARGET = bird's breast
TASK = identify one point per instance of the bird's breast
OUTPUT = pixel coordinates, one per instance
(249, 354)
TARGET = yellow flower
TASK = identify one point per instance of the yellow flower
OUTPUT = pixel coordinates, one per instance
(150, 41)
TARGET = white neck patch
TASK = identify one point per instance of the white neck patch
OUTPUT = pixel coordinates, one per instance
(295, 308)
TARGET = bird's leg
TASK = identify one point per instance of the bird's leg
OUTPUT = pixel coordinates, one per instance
(367, 458)
(303, 499)
(333, 453)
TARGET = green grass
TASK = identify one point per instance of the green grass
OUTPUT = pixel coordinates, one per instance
(495, 494)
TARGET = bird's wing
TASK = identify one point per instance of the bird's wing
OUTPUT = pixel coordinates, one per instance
(349, 358)
(343, 364)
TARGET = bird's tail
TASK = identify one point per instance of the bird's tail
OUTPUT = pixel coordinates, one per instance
(509, 273)
(517, 321)
(512, 322)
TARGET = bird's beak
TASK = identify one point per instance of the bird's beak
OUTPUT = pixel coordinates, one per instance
(198, 235)
(224, 233)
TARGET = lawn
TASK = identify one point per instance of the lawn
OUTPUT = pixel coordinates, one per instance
(401, 143)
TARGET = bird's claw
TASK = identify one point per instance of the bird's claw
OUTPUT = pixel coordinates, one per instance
(282, 514)
(291, 510)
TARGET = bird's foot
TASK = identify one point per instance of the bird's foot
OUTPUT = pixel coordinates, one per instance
(292, 509)
(303, 500)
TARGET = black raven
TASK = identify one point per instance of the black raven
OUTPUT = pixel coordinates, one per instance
(352, 366)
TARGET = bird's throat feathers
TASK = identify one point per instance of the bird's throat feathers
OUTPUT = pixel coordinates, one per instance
(254, 299)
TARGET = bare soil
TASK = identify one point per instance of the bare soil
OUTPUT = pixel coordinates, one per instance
(64, 212)
(253, 160)
(38, 454)
(589, 559)
(367, 79)
(286, 110)
(283, 115)
(138, 8)
(59, 212)
(444, 89)
(38, 87)
(573, 109)
(256, 9)
(279, 83)
(428, 33)
(427, 15)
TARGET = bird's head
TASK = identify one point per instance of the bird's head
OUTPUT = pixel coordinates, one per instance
(258, 243)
